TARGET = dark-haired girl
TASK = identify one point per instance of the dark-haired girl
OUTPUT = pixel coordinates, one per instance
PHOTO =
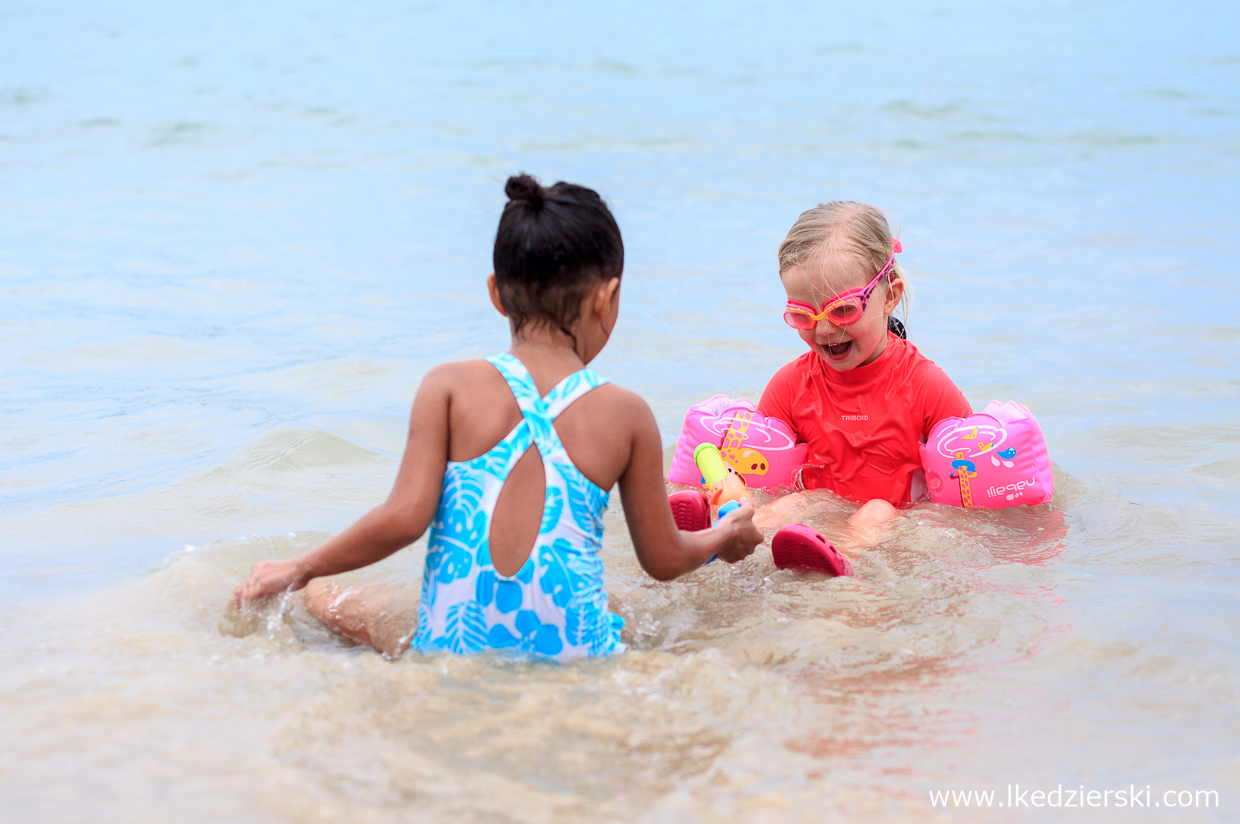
(509, 462)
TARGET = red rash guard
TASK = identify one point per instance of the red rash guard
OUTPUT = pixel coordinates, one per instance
(864, 425)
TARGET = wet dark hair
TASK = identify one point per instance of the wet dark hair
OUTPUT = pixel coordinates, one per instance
(552, 245)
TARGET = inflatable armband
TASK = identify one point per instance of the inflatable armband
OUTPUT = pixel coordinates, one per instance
(990, 459)
(761, 449)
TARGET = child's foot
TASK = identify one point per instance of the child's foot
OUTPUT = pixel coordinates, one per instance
(798, 547)
(689, 510)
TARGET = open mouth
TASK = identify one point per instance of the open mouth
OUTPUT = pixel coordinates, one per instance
(839, 351)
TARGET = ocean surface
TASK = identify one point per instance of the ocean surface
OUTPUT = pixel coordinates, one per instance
(234, 236)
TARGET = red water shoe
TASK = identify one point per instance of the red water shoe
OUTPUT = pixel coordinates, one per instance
(689, 510)
(798, 547)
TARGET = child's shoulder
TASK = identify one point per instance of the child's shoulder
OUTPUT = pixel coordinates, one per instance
(447, 376)
(613, 409)
(625, 400)
(480, 372)
(912, 361)
(618, 401)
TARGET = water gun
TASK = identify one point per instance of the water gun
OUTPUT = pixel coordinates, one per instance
(724, 487)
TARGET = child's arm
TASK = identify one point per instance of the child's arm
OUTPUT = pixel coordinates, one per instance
(390, 526)
(663, 550)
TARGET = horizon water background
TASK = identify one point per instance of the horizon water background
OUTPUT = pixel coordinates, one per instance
(233, 239)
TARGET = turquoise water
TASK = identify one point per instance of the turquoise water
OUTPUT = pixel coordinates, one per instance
(233, 239)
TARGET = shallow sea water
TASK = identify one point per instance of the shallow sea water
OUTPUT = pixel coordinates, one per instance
(233, 239)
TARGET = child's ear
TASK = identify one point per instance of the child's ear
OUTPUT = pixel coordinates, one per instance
(493, 288)
(895, 291)
(606, 292)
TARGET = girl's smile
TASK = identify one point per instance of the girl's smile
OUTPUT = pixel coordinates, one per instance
(837, 352)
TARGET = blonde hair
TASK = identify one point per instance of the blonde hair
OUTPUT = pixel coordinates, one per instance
(838, 229)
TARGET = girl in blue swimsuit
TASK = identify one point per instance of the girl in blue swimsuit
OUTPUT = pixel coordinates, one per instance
(509, 463)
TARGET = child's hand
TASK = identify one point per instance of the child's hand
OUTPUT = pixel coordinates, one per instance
(268, 578)
(741, 537)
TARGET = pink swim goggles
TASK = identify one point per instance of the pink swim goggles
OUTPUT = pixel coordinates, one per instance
(844, 308)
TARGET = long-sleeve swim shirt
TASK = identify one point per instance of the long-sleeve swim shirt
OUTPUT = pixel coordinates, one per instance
(864, 425)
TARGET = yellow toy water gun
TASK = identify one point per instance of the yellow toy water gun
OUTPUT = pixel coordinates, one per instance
(724, 487)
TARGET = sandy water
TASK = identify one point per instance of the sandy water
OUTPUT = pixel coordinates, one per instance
(233, 240)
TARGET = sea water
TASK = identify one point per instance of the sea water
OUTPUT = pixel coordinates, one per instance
(233, 237)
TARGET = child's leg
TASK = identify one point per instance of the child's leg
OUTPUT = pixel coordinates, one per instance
(869, 523)
(787, 510)
(779, 512)
(872, 513)
(380, 615)
(795, 545)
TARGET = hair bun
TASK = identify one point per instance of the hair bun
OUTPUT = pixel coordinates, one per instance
(523, 187)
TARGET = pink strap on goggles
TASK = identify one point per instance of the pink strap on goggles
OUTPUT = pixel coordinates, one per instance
(846, 307)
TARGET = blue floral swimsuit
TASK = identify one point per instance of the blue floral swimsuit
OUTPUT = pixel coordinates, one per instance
(555, 606)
